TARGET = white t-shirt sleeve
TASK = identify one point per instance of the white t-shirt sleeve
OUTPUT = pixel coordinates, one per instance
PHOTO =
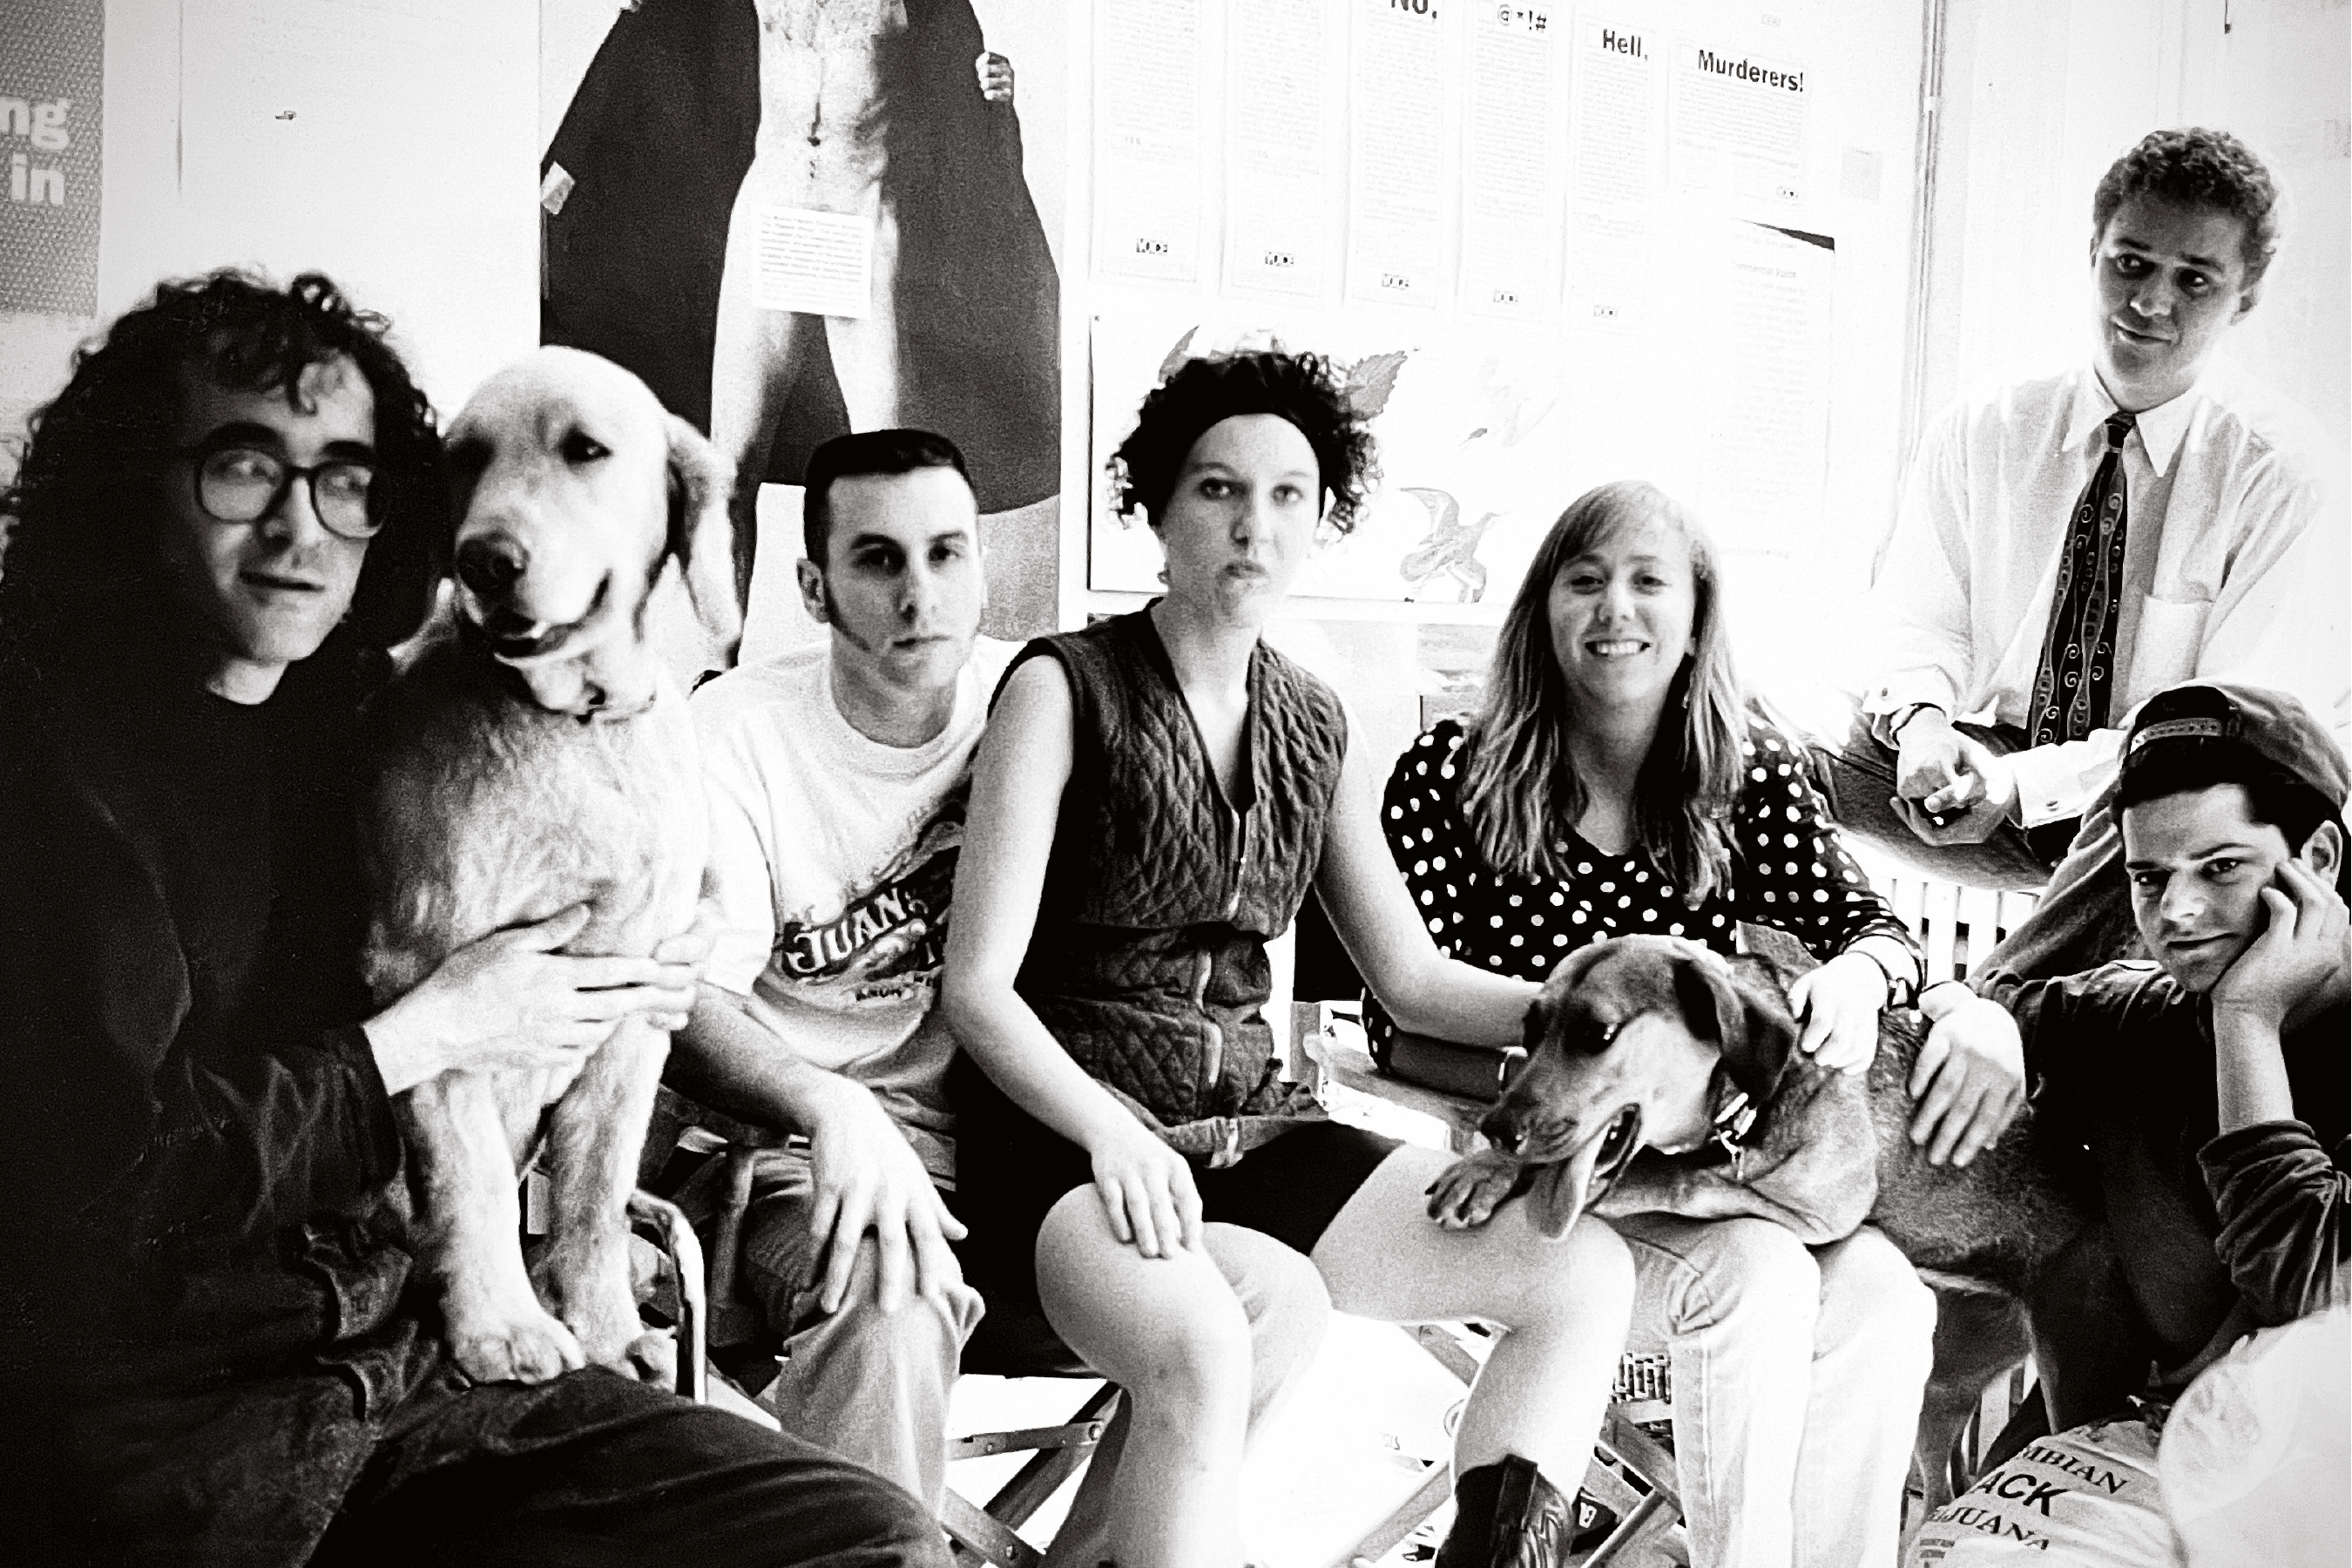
(737, 887)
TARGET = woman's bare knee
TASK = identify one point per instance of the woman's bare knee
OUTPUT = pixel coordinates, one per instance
(1169, 1330)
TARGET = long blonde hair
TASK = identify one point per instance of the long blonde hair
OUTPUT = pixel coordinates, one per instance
(1520, 791)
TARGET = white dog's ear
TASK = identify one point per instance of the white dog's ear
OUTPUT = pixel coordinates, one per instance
(701, 482)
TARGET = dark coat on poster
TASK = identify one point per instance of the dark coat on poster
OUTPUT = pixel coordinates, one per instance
(656, 140)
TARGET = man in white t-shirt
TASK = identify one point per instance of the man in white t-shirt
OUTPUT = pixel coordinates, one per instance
(837, 778)
(2070, 546)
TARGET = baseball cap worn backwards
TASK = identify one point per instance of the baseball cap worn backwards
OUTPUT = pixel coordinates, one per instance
(2273, 726)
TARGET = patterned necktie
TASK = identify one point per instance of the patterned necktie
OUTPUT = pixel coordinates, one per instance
(2077, 676)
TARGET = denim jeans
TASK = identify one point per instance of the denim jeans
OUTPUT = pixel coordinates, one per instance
(2084, 917)
(1798, 1373)
(872, 1387)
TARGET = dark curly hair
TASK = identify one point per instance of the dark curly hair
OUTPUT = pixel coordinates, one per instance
(2197, 168)
(1304, 388)
(80, 520)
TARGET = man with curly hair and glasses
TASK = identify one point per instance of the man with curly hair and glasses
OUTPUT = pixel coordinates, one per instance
(213, 1353)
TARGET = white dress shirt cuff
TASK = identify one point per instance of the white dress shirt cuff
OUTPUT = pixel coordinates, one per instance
(2055, 783)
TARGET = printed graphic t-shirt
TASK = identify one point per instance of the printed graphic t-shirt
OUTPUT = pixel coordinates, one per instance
(832, 858)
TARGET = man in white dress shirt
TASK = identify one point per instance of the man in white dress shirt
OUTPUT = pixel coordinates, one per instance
(2070, 546)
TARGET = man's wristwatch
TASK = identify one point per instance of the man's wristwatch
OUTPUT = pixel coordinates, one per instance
(1903, 715)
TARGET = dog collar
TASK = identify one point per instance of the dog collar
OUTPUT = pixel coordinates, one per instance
(1727, 1128)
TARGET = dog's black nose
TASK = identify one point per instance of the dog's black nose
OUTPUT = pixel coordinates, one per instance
(489, 565)
(1505, 1136)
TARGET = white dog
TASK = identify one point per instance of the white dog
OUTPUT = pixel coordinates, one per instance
(533, 754)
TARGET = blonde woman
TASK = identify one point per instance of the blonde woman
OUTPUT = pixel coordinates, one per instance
(1615, 780)
(1154, 797)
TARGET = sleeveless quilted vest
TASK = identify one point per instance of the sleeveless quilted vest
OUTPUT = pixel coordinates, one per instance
(1148, 961)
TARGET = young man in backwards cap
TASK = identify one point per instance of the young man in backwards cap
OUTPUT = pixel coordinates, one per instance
(2202, 1097)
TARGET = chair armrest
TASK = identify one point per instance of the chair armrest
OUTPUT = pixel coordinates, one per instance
(1346, 1063)
(668, 1230)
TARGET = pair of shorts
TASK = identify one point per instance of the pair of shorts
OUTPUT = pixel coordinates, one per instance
(1012, 1169)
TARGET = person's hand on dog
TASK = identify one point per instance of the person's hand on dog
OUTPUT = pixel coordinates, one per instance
(1839, 1004)
(869, 1178)
(513, 1000)
(1969, 1080)
(1146, 1188)
(2302, 948)
(1978, 799)
(691, 947)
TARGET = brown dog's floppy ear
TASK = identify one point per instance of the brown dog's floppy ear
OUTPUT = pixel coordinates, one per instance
(1750, 1021)
(702, 481)
(1768, 1032)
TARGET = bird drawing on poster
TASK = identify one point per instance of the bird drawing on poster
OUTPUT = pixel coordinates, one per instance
(1450, 550)
(1501, 408)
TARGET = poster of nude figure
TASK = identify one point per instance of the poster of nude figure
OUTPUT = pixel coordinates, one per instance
(796, 218)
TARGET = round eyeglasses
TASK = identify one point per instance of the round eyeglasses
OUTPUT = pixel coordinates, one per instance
(244, 484)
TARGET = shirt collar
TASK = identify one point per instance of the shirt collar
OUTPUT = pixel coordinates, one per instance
(2161, 429)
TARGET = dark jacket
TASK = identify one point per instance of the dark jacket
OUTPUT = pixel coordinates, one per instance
(197, 1145)
(1149, 959)
(2202, 1221)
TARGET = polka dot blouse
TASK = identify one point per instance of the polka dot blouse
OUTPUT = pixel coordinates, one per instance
(1788, 869)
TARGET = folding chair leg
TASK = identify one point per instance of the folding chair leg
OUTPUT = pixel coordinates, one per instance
(1633, 1527)
(987, 1536)
(1403, 1519)
(979, 1538)
(1043, 1476)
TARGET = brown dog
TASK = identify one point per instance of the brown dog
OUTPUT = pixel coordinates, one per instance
(531, 756)
(1645, 1056)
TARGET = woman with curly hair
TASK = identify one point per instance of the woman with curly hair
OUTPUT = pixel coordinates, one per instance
(1154, 797)
(1616, 779)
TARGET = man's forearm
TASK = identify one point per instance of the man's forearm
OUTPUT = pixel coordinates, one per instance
(727, 1060)
(2250, 1084)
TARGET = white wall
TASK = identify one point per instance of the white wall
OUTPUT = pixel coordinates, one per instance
(391, 146)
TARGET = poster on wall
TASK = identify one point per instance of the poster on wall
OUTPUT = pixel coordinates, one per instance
(1148, 141)
(1400, 60)
(1471, 436)
(1277, 157)
(796, 219)
(1763, 465)
(1616, 157)
(1511, 158)
(50, 145)
(1738, 123)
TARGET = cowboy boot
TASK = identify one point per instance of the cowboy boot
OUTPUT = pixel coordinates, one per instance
(1507, 1515)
